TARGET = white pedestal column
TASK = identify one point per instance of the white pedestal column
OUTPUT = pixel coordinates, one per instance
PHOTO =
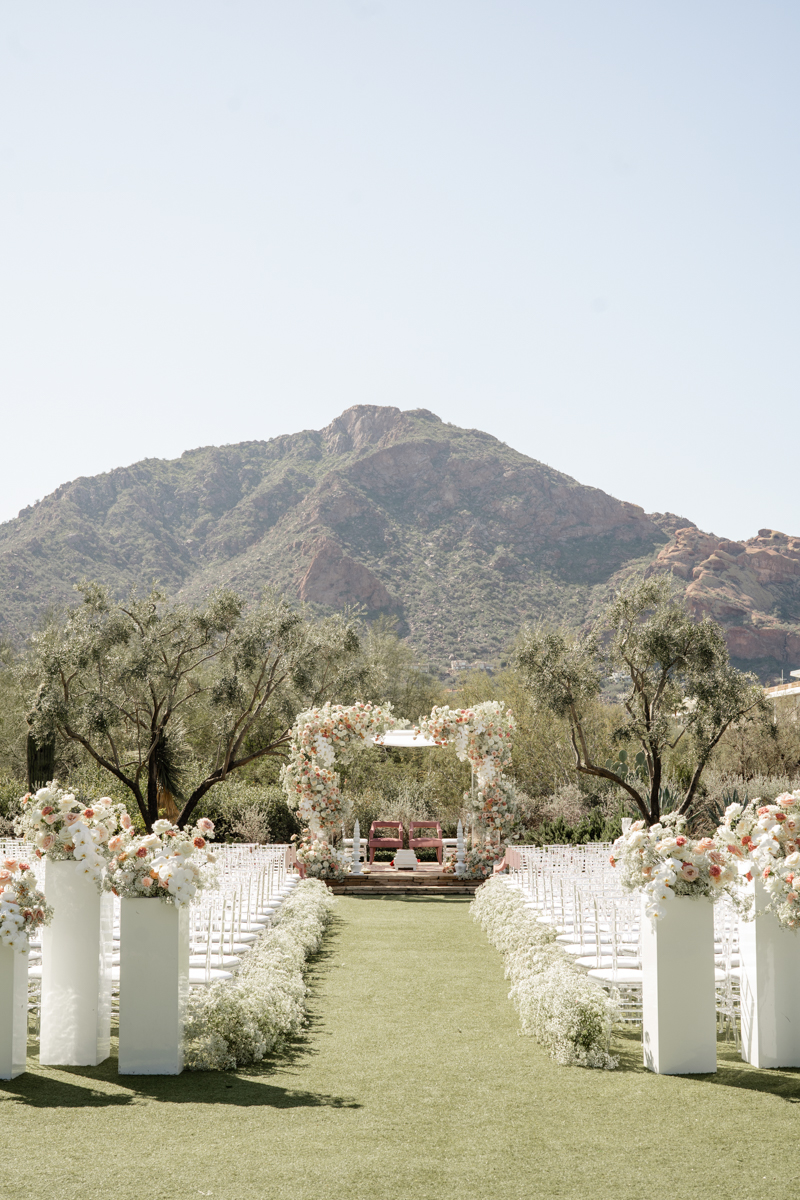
(153, 986)
(76, 970)
(770, 988)
(13, 1012)
(679, 1023)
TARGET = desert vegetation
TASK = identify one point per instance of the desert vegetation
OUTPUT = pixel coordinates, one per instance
(202, 732)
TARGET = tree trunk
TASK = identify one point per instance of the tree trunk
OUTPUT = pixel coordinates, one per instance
(41, 762)
(152, 794)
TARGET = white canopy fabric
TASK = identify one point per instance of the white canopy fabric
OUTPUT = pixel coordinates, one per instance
(404, 738)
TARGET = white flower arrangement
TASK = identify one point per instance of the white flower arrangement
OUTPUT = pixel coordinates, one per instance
(663, 861)
(320, 860)
(562, 1008)
(63, 826)
(237, 1023)
(309, 778)
(483, 736)
(479, 861)
(168, 864)
(768, 835)
(23, 908)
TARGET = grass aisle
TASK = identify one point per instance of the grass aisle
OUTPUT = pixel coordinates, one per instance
(413, 1082)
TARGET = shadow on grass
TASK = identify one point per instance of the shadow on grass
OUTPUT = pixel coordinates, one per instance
(207, 1087)
(103, 1087)
(406, 899)
(732, 1071)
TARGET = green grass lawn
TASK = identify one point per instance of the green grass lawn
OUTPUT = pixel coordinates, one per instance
(412, 1082)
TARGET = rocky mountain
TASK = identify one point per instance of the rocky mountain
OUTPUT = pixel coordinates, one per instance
(452, 534)
(752, 588)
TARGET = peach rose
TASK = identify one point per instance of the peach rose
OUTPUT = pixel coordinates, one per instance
(690, 872)
(141, 852)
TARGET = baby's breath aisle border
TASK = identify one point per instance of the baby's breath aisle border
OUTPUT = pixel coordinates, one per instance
(235, 1024)
(562, 1008)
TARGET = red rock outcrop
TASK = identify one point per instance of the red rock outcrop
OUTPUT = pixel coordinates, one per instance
(752, 588)
(336, 580)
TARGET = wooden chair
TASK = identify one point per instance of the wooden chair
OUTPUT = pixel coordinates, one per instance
(426, 843)
(384, 843)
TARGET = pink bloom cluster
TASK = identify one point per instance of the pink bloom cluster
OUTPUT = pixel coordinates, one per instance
(22, 906)
(479, 861)
(483, 736)
(309, 777)
(663, 861)
(169, 864)
(769, 836)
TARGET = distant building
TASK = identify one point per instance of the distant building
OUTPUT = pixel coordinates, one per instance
(461, 664)
(789, 696)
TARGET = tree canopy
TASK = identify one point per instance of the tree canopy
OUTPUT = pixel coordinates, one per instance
(681, 688)
(129, 681)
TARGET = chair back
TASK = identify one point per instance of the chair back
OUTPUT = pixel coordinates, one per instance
(412, 825)
(385, 825)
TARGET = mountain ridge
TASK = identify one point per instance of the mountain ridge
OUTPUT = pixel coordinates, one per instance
(452, 533)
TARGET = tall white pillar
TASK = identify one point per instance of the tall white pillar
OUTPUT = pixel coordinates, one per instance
(769, 956)
(355, 869)
(679, 1018)
(76, 969)
(13, 1011)
(153, 986)
(460, 860)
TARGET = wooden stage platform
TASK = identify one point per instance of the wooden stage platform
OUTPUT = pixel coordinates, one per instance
(383, 879)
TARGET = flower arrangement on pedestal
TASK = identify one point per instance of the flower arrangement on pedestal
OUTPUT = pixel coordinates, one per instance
(23, 908)
(663, 861)
(63, 826)
(168, 864)
(310, 780)
(769, 835)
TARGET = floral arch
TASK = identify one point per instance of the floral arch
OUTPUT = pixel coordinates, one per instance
(482, 736)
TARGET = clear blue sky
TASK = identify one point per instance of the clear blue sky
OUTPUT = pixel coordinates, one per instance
(573, 224)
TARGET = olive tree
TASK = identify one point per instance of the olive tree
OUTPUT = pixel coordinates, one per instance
(126, 680)
(681, 688)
